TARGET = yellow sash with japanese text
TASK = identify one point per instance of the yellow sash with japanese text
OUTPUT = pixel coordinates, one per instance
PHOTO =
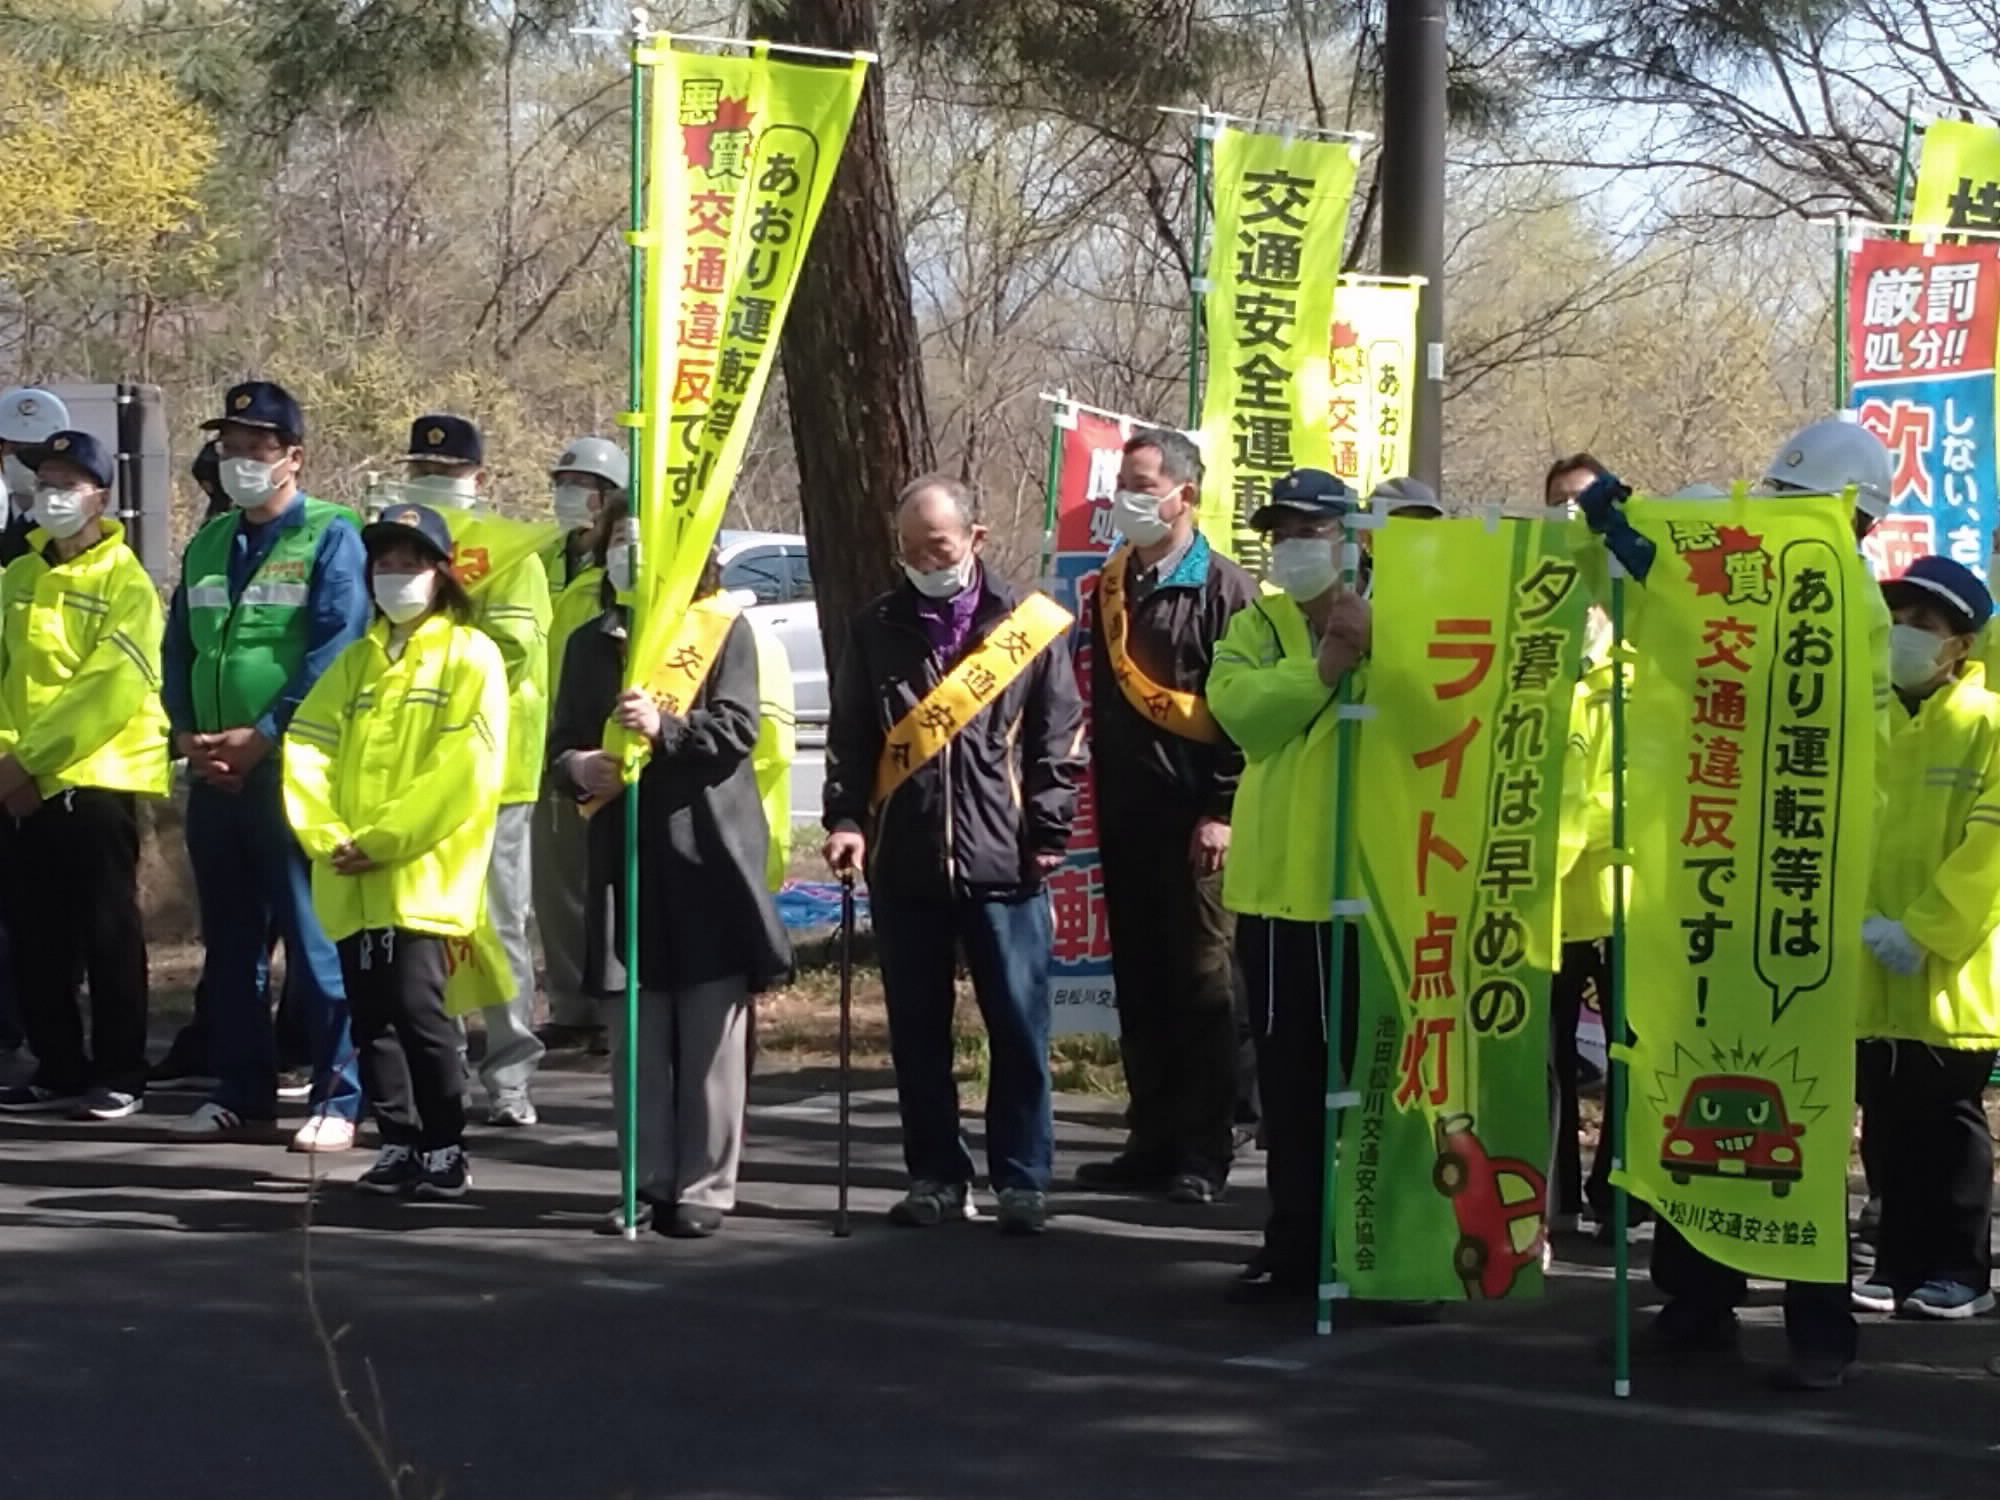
(685, 664)
(1182, 714)
(983, 675)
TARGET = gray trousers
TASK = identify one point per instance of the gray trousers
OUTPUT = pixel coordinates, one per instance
(512, 1049)
(562, 877)
(693, 1085)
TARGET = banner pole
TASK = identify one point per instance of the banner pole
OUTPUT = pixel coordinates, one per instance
(1337, 997)
(1617, 1077)
(1903, 160)
(1051, 485)
(1198, 271)
(1840, 313)
(629, 1164)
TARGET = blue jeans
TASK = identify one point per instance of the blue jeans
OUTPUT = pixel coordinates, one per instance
(253, 879)
(1006, 947)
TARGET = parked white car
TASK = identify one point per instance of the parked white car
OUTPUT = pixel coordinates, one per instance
(772, 567)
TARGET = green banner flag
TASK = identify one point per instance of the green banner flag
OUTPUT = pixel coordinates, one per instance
(1443, 1156)
(1750, 773)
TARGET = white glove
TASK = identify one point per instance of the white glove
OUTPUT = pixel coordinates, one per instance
(1892, 946)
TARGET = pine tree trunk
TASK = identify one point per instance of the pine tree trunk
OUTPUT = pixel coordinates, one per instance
(854, 375)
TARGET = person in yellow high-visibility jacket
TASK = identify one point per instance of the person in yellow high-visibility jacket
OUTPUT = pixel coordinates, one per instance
(1273, 688)
(82, 736)
(589, 479)
(394, 768)
(1930, 997)
(445, 461)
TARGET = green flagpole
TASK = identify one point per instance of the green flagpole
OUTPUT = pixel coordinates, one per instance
(1198, 269)
(1840, 313)
(1052, 483)
(629, 1157)
(1903, 161)
(1337, 998)
(1616, 1038)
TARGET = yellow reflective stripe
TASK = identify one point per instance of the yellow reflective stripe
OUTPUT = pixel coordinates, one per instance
(1185, 715)
(130, 647)
(963, 694)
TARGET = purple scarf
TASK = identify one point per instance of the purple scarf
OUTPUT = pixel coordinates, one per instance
(947, 622)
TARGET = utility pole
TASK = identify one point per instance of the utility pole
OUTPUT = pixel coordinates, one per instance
(1413, 127)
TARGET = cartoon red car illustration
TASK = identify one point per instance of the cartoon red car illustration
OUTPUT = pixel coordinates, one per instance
(1733, 1125)
(1498, 1204)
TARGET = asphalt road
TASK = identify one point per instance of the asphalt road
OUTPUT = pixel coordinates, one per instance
(156, 1340)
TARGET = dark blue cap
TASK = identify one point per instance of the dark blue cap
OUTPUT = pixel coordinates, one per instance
(1943, 584)
(409, 523)
(81, 449)
(444, 439)
(1305, 492)
(261, 403)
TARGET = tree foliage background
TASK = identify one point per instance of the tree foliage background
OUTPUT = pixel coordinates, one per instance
(395, 205)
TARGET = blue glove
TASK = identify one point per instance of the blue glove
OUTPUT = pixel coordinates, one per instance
(1603, 508)
(1893, 946)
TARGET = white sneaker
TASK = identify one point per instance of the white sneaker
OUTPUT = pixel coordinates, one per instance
(323, 1133)
(212, 1122)
(517, 1113)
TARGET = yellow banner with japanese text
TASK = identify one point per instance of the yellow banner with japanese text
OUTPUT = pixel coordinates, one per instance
(1750, 774)
(741, 153)
(1373, 365)
(1455, 825)
(1958, 178)
(1280, 227)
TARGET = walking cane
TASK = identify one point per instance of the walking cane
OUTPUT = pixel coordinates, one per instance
(841, 1229)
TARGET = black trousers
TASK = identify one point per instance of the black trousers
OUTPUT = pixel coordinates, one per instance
(72, 889)
(1172, 958)
(1702, 1293)
(1583, 967)
(1927, 1125)
(411, 1069)
(1290, 971)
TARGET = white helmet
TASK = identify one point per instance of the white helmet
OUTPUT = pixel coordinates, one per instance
(1828, 457)
(29, 414)
(598, 456)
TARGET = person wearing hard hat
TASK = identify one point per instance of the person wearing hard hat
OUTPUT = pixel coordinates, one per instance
(82, 737)
(1930, 995)
(1832, 456)
(29, 417)
(710, 936)
(394, 767)
(446, 462)
(1273, 687)
(589, 477)
(270, 594)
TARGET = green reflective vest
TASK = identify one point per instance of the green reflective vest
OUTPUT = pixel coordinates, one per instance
(247, 651)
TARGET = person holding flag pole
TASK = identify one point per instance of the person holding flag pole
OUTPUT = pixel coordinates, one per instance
(1829, 457)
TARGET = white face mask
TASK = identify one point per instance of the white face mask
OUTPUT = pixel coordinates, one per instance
(1136, 514)
(618, 566)
(573, 508)
(1303, 566)
(249, 482)
(404, 596)
(1914, 657)
(20, 478)
(454, 491)
(61, 513)
(941, 583)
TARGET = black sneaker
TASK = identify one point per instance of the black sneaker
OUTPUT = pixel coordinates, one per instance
(1811, 1376)
(1127, 1172)
(33, 1099)
(445, 1173)
(1261, 1282)
(1023, 1211)
(110, 1104)
(693, 1222)
(295, 1084)
(395, 1172)
(1195, 1188)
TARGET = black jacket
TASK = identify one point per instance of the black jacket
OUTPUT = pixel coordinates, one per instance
(1172, 634)
(970, 821)
(705, 911)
